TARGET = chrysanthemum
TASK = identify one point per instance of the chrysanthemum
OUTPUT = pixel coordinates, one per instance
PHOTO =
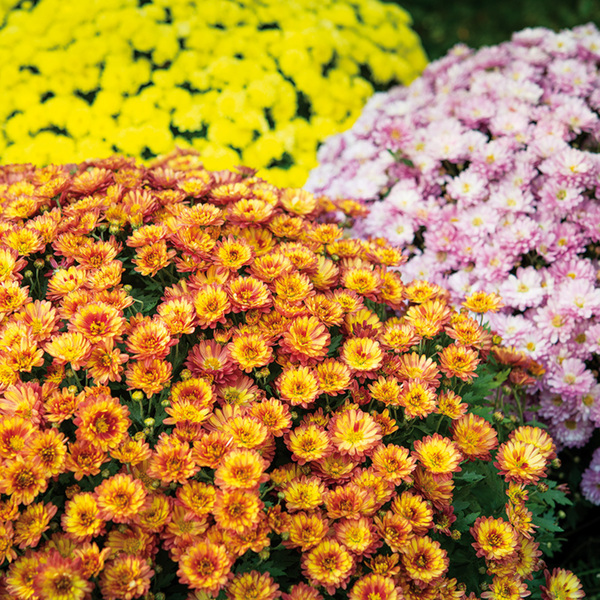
(459, 361)
(102, 421)
(196, 496)
(495, 539)
(171, 461)
(537, 437)
(236, 509)
(373, 586)
(212, 305)
(241, 468)
(357, 535)
(398, 336)
(451, 405)
(7, 549)
(248, 293)
(150, 375)
(49, 447)
(386, 390)
(561, 584)
(85, 459)
(328, 564)
(354, 432)
(438, 455)
(250, 350)
(64, 281)
(362, 354)
(520, 461)
(417, 398)
(429, 318)
(125, 577)
(149, 339)
(474, 436)
(414, 508)
(482, 302)
(204, 566)
(349, 501)
(252, 585)
(42, 319)
(105, 362)
(273, 414)
(211, 447)
(97, 322)
(394, 529)
(69, 347)
(436, 488)
(506, 587)
(12, 296)
(424, 559)
(306, 340)
(306, 530)
(32, 523)
(245, 431)
(23, 479)
(61, 578)
(308, 443)
(333, 376)
(120, 498)
(81, 520)
(298, 385)
(304, 493)
(302, 591)
(15, 433)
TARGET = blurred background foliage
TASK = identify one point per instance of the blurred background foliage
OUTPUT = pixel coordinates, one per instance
(443, 23)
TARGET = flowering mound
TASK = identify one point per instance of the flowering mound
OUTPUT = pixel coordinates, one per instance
(204, 391)
(491, 183)
(259, 83)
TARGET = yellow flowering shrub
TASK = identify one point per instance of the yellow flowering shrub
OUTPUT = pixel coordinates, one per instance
(252, 83)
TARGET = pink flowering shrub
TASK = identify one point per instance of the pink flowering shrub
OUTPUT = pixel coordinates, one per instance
(486, 170)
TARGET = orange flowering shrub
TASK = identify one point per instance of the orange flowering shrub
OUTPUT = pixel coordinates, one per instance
(207, 392)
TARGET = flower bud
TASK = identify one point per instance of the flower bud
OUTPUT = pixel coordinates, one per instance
(542, 487)
(186, 374)
(149, 422)
(556, 463)
(28, 274)
(138, 396)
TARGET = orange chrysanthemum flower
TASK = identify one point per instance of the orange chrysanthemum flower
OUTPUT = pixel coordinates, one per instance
(304, 493)
(204, 566)
(105, 363)
(212, 305)
(424, 560)
(474, 436)
(349, 501)
(23, 479)
(81, 520)
(70, 347)
(398, 336)
(14, 436)
(362, 354)
(236, 509)
(373, 586)
(333, 376)
(171, 461)
(506, 588)
(482, 302)
(520, 461)
(537, 437)
(149, 339)
(415, 509)
(329, 565)
(495, 539)
(308, 443)
(418, 399)
(306, 340)
(436, 488)
(273, 414)
(386, 390)
(248, 293)
(150, 375)
(298, 386)
(120, 498)
(250, 350)
(61, 578)
(357, 535)
(394, 529)
(102, 421)
(438, 455)
(241, 468)
(97, 322)
(451, 405)
(50, 448)
(32, 523)
(127, 577)
(131, 451)
(354, 432)
(85, 459)
(64, 281)
(459, 361)
(302, 591)
(561, 584)
(252, 585)
(306, 530)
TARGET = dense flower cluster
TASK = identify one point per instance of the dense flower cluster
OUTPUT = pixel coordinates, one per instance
(492, 181)
(260, 83)
(204, 390)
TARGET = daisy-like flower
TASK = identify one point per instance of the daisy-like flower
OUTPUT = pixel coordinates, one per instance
(438, 455)
(418, 399)
(357, 535)
(506, 588)
(273, 414)
(252, 585)
(211, 447)
(250, 350)
(362, 355)
(120, 498)
(150, 375)
(397, 336)
(102, 421)
(306, 340)
(15, 433)
(204, 566)
(302, 591)
(105, 362)
(241, 468)
(424, 559)
(483, 302)
(349, 501)
(32, 523)
(459, 361)
(329, 565)
(450, 404)
(354, 432)
(393, 463)
(561, 584)
(520, 461)
(98, 321)
(394, 529)
(149, 339)
(333, 376)
(61, 578)
(50, 448)
(212, 305)
(171, 461)
(306, 530)
(415, 509)
(153, 257)
(81, 520)
(474, 436)
(298, 385)
(210, 359)
(125, 577)
(304, 493)
(23, 479)
(84, 458)
(495, 539)
(131, 451)
(70, 347)
(428, 318)
(308, 443)
(248, 293)
(236, 509)
(538, 437)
